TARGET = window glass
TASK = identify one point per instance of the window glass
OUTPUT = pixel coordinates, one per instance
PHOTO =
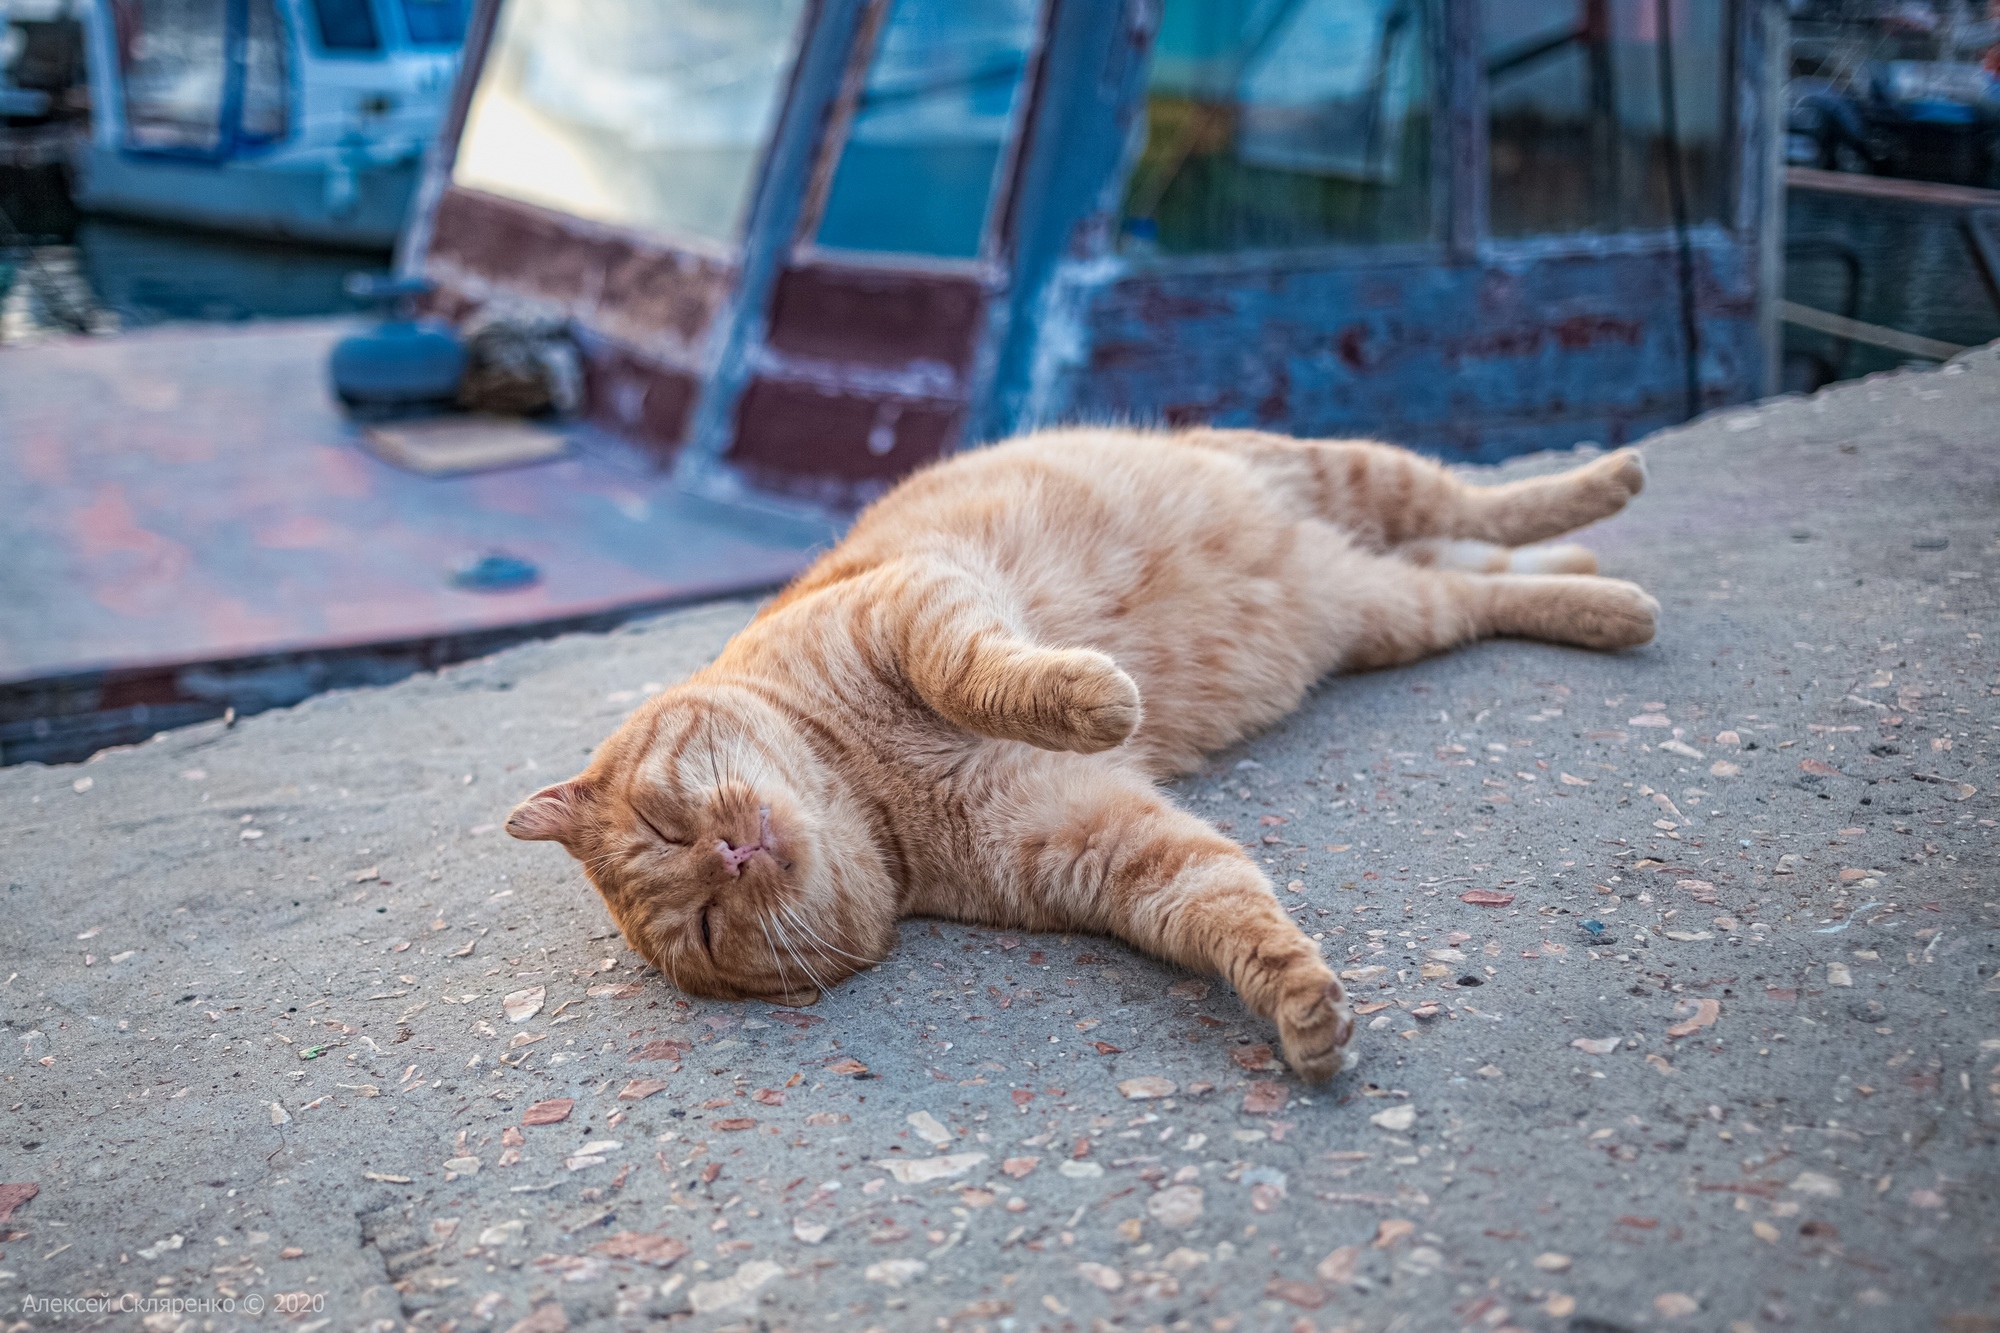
(1578, 125)
(1279, 123)
(434, 22)
(641, 113)
(173, 58)
(924, 150)
(266, 67)
(346, 25)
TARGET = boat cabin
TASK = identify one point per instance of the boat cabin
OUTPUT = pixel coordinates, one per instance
(809, 245)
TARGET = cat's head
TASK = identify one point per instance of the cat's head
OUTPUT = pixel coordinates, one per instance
(726, 847)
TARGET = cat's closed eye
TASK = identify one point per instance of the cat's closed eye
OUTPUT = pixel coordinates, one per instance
(663, 836)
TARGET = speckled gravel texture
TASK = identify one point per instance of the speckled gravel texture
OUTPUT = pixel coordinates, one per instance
(257, 1059)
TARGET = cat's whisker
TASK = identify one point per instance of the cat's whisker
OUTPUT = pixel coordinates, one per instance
(749, 771)
(799, 958)
(714, 770)
(778, 962)
(740, 771)
(826, 951)
(806, 926)
(666, 961)
(833, 964)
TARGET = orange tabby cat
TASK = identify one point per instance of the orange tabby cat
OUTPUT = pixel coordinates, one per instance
(964, 709)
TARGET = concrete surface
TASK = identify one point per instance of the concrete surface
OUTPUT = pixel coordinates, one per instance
(189, 494)
(256, 977)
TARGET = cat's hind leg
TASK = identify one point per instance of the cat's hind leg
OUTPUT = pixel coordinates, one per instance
(1537, 509)
(1088, 846)
(1381, 611)
(1384, 497)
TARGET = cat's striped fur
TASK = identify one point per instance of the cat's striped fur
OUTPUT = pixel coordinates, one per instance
(964, 709)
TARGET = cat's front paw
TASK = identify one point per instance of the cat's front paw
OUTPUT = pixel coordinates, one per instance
(1315, 1026)
(1084, 702)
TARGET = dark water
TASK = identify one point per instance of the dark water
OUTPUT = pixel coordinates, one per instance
(110, 275)
(149, 275)
(1917, 274)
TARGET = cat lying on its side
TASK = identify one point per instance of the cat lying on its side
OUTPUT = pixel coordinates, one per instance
(964, 709)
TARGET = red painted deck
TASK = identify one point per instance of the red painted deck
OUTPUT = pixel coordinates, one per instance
(193, 494)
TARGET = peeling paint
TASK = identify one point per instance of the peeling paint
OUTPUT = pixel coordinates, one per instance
(839, 369)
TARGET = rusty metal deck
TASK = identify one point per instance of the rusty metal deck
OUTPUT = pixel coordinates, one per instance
(192, 496)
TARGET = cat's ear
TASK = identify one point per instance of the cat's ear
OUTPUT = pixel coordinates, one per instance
(553, 814)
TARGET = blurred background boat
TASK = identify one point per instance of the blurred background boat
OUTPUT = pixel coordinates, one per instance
(296, 119)
(1892, 146)
(1904, 90)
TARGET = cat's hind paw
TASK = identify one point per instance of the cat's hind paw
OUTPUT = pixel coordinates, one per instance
(1620, 470)
(1611, 614)
(1315, 1026)
(1601, 487)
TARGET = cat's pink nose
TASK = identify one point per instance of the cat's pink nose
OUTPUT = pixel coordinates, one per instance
(734, 857)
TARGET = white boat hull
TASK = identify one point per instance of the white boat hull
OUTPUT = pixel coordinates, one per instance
(300, 201)
(265, 133)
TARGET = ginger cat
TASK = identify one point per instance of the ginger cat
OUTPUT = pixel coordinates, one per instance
(965, 708)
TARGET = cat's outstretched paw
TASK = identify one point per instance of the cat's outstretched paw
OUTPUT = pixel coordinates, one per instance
(1622, 469)
(1082, 701)
(1315, 1026)
(1611, 613)
(1603, 486)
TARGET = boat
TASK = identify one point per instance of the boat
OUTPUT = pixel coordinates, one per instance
(41, 62)
(297, 119)
(1915, 119)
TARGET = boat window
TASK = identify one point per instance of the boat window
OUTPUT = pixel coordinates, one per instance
(926, 145)
(173, 57)
(1283, 123)
(434, 22)
(1581, 139)
(267, 89)
(644, 113)
(347, 25)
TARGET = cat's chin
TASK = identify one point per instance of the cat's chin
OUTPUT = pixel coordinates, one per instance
(802, 998)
